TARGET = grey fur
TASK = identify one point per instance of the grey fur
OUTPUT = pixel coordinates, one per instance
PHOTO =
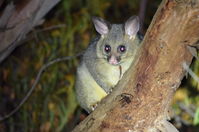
(96, 77)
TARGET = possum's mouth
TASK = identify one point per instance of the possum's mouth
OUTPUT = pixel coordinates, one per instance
(114, 60)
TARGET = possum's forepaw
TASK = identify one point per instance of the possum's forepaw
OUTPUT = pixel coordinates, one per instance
(94, 106)
(110, 91)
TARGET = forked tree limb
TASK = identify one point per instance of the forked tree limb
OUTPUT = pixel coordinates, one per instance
(141, 100)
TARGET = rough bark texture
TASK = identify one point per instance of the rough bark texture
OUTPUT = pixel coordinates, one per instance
(141, 100)
(18, 20)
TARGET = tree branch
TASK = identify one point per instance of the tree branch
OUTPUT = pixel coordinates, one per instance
(141, 100)
(18, 20)
(42, 69)
(142, 13)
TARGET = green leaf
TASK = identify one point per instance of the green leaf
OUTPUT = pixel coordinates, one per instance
(196, 117)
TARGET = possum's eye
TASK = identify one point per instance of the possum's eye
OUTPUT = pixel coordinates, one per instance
(121, 48)
(107, 48)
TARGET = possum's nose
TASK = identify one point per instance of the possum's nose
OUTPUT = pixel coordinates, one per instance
(114, 60)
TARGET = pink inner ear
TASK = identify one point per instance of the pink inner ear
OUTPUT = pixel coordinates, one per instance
(101, 28)
(113, 60)
(132, 26)
(101, 25)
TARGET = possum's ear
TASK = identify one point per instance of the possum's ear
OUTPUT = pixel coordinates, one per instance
(132, 26)
(101, 26)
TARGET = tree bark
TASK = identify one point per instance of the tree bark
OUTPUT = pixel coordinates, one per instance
(141, 100)
(17, 21)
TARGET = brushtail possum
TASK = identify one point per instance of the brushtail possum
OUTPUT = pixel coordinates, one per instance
(105, 61)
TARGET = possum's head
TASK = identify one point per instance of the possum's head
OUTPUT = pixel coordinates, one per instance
(118, 42)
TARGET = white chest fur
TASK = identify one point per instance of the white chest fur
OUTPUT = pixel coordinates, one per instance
(112, 74)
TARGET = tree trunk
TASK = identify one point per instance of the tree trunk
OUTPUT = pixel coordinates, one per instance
(141, 100)
(18, 20)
